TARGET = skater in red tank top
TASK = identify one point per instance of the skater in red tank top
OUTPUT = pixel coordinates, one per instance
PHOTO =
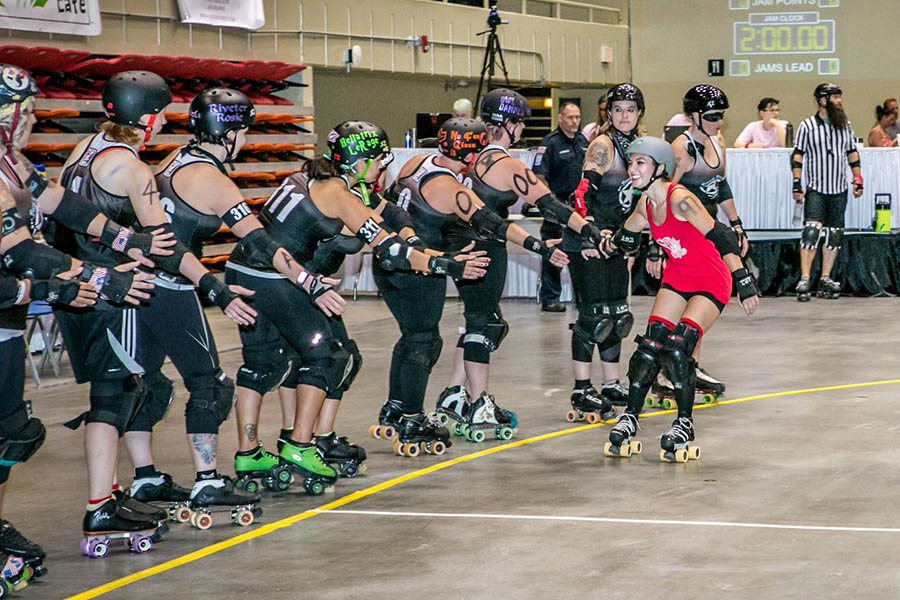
(703, 261)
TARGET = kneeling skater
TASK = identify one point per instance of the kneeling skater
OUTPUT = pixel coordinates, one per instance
(703, 259)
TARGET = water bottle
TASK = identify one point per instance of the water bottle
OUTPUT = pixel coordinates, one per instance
(407, 139)
(788, 134)
(797, 221)
(883, 213)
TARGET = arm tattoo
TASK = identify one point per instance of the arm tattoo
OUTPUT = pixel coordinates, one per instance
(463, 202)
(150, 191)
(204, 444)
(521, 184)
(597, 156)
(250, 431)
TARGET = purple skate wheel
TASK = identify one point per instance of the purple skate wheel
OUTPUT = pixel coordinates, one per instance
(85, 547)
(141, 544)
(98, 548)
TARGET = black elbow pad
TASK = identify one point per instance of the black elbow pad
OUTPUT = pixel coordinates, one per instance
(549, 205)
(260, 248)
(75, 211)
(29, 260)
(725, 192)
(489, 224)
(724, 239)
(627, 241)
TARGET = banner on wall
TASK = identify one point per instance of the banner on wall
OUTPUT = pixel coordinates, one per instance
(246, 14)
(77, 17)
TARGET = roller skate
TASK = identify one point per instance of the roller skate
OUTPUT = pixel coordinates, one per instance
(615, 392)
(707, 387)
(220, 495)
(13, 542)
(14, 574)
(388, 421)
(341, 451)
(662, 394)
(105, 524)
(484, 415)
(420, 433)
(621, 442)
(675, 444)
(163, 492)
(131, 508)
(451, 406)
(588, 404)
(259, 465)
(306, 462)
(829, 289)
(802, 289)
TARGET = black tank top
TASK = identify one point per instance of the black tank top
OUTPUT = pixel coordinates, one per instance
(431, 225)
(78, 178)
(614, 201)
(703, 180)
(15, 318)
(293, 221)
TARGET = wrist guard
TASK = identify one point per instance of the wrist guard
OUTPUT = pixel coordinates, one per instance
(54, 290)
(797, 186)
(441, 265)
(123, 239)
(109, 283)
(215, 291)
(744, 284)
(36, 184)
(537, 246)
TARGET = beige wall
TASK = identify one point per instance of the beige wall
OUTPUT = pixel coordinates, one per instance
(570, 49)
(672, 40)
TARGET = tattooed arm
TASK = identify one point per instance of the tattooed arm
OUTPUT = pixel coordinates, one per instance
(683, 161)
(599, 155)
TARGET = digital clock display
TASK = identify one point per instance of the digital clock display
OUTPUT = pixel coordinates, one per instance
(784, 37)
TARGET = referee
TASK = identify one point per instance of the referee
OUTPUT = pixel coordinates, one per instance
(824, 148)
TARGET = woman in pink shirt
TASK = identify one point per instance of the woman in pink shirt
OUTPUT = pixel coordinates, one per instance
(878, 137)
(768, 132)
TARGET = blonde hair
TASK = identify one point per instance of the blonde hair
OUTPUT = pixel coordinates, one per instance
(6, 119)
(120, 133)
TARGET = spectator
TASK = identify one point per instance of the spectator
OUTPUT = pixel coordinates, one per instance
(894, 130)
(462, 108)
(884, 118)
(558, 162)
(768, 132)
(591, 130)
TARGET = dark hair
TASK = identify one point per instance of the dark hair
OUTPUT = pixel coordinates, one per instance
(319, 168)
(765, 102)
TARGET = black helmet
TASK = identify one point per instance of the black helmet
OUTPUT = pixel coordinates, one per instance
(462, 139)
(824, 90)
(704, 97)
(351, 141)
(16, 85)
(129, 95)
(216, 111)
(500, 105)
(624, 92)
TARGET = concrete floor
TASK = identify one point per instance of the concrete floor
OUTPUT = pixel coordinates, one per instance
(794, 496)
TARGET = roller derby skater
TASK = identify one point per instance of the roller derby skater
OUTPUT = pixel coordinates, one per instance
(703, 259)
(600, 283)
(825, 146)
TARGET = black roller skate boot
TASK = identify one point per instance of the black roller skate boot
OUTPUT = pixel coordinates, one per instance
(615, 392)
(388, 421)
(128, 506)
(163, 492)
(106, 523)
(621, 442)
(451, 406)
(14, 543)
(341, 451)
(419, 433)
(802, 289)
(675, 444)
(588, 404)
(829, 289)
(220, 495)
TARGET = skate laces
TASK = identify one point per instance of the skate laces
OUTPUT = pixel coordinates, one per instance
(629, 422)
(11, 535)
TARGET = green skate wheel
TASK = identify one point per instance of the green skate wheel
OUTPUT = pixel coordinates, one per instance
(283, 485)
(251, 486)
(709, 399)
(505, 434)
(460, 429)
(477, 436)
(650, 401)
(284, 476)
(315, 488)
(666, 404)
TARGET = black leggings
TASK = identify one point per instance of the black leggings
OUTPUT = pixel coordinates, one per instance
(481, 298)
(417, 303)
(12, 376)
(596, 281)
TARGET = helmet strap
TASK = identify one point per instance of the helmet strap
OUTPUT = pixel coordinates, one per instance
(653, 177)
(148, 131)
(512, 139)
(361, 181)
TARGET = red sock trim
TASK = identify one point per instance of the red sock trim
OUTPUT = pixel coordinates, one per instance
(100, 500)
(693, 324)
(665, 323)
(115, 487)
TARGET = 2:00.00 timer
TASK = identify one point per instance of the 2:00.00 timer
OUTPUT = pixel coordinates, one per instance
(784, 39)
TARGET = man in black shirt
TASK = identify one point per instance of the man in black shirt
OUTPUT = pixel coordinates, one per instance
(558, 162)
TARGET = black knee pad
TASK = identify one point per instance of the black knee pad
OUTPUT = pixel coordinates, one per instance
(612, 353)
(114, 402)
(160, 394)
(20, 438)
(265, 368)
(210, 402)
(621, 317)
(582, 345)
(325, 366)
(483, 336)
(644, 363)
(423, 348)
(594, 322)
(834, 237)
(809, 237)
(355, 366)
(677, 358)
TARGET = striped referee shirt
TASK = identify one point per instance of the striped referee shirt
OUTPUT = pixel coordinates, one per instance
(825, 150)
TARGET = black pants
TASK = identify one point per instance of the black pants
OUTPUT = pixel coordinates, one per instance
(551, 276)
(481, 298)
(339, 331)
(12, 380)
(595, 281)
(417, 303)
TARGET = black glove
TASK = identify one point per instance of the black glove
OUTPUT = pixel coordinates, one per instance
(54, 290)
(653, 253)
(798, 186)
(441, 265)
(738, 229)
(123, 239)
(317, 287)
(215, 291)
(113, 286)
(744, 283)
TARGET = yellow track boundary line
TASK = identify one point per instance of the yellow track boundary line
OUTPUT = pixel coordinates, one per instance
(385, 485)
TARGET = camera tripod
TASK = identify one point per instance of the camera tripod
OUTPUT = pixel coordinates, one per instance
(493, 54)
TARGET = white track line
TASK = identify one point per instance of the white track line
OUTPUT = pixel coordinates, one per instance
(381, 513)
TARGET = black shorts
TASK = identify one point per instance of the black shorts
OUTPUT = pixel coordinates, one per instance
(827, 209)
(102, 344)
(689, 295)
(12, 375)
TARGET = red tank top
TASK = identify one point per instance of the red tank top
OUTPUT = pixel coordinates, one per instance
(694, 264)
